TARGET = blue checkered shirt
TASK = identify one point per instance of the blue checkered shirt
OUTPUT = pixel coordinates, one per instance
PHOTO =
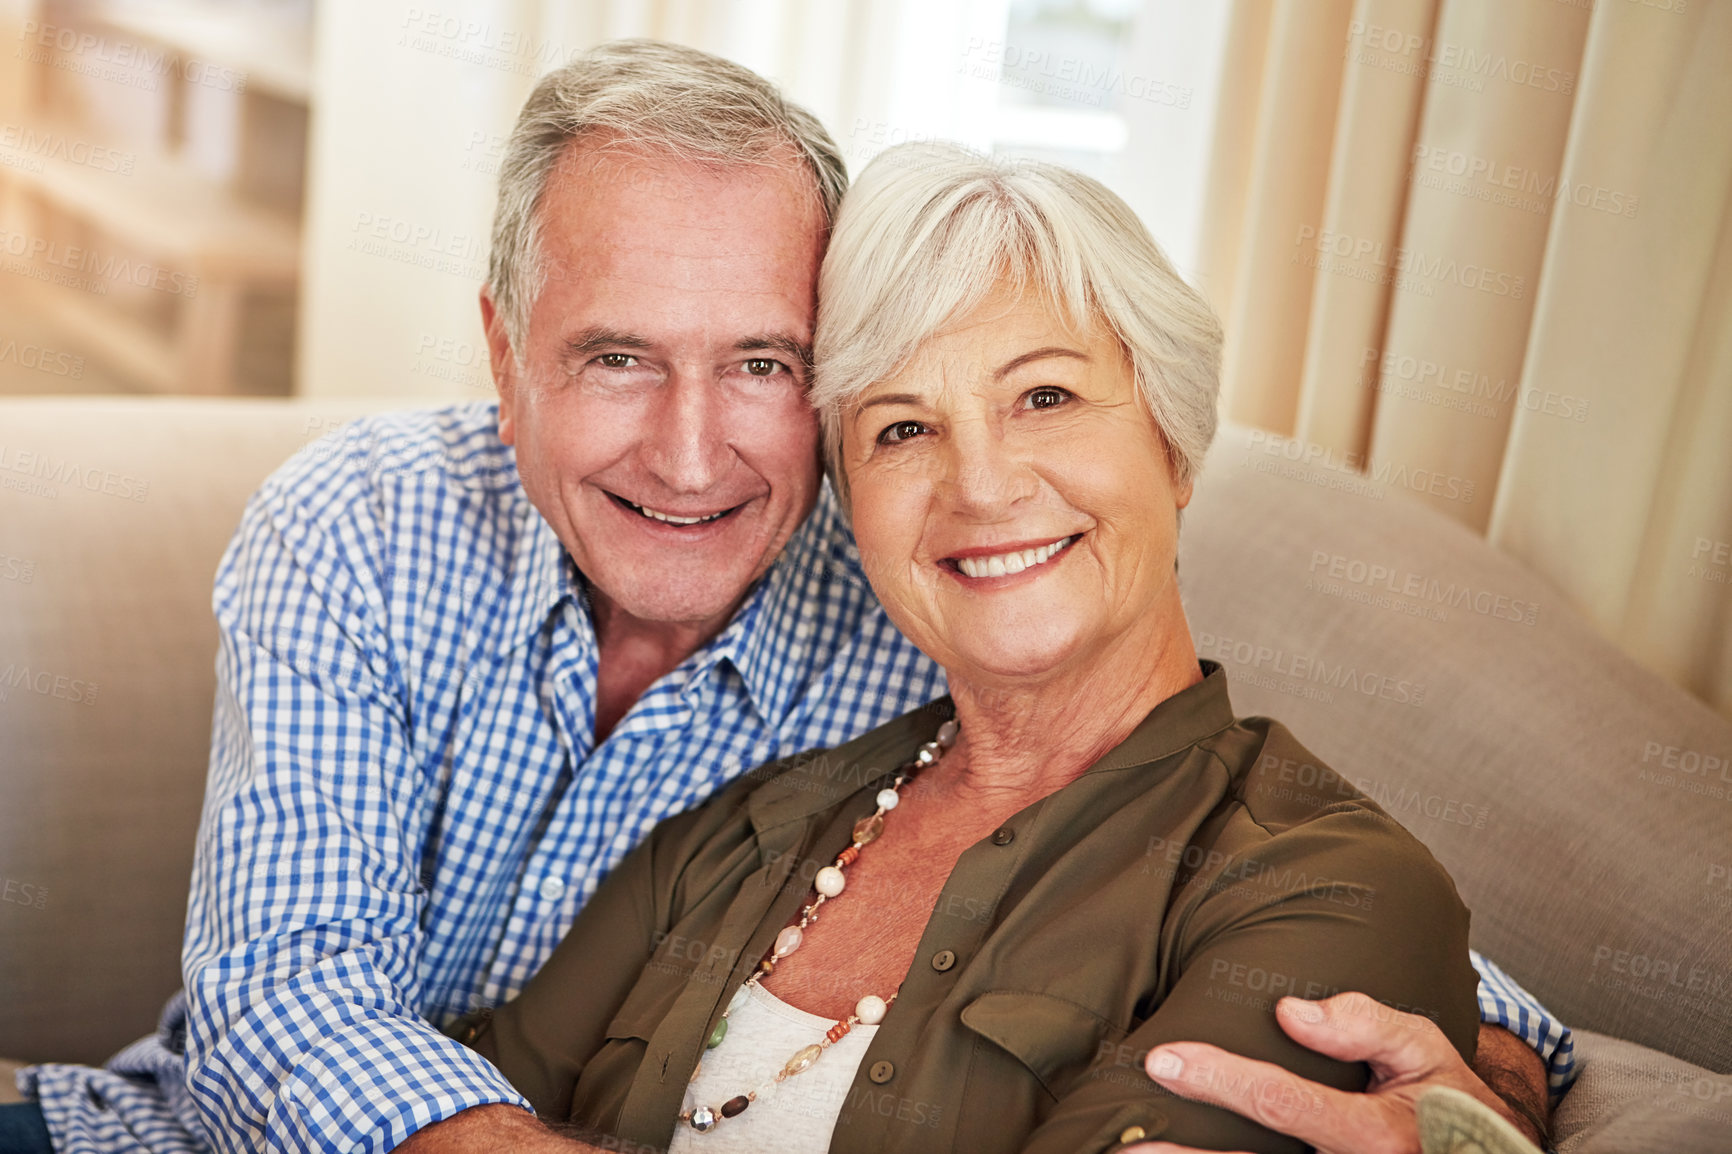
(406, 806)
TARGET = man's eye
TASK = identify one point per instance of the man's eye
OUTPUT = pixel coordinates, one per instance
(1047, 398)
(901, 431)
(762, 366)
(616, 360)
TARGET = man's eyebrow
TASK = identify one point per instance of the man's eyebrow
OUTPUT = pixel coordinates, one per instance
(590, 340)
(1039, 354)
(795, 350)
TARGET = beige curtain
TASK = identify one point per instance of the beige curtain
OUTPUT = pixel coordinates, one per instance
(1482, 249)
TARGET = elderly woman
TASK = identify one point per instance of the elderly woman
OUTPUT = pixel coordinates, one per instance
(964, 929)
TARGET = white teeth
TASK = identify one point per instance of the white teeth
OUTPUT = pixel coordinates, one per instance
(672, 520)
(1004, 564)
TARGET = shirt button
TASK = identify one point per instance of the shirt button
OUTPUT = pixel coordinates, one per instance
(1004, 837)
(943, 960)
(1132, 1134)
(881, 1072)
(552, 888)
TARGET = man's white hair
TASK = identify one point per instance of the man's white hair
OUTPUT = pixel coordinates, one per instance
(644, 94)
(930, 229)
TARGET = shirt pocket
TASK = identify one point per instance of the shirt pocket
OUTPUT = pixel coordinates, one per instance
(599, 1099)
(1054, 1041)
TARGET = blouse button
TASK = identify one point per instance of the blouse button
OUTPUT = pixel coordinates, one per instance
(943, 960)
(881, 1072)
(1132, 1134)
(1004, 837)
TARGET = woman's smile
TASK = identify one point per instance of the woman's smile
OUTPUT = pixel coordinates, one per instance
(984, 565)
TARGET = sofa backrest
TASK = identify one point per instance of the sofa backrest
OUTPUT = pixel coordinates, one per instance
(113, 515)
(1583, 804)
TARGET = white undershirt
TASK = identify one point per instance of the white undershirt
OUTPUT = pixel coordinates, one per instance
(798, 1115)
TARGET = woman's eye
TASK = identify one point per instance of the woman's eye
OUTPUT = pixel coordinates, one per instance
(762, 366)
(901, 431)
(616, 360)
(1047, 398)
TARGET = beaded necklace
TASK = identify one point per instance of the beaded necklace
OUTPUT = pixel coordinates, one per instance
(829, 883)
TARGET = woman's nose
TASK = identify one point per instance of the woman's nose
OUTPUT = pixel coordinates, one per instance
(985, 476)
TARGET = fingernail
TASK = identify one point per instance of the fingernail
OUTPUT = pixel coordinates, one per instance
(1303, 1010)
(1165, 1064)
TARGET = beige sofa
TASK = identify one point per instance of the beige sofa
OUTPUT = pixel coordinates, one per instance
(1583, 804)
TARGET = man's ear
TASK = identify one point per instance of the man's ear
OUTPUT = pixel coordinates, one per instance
(503, 364)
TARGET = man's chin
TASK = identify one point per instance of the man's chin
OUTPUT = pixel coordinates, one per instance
(691, 593)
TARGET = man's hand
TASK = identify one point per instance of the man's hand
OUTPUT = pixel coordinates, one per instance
(1408, 1055)
(489, 1130)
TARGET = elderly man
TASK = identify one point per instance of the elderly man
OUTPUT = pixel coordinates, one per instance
(470, 656)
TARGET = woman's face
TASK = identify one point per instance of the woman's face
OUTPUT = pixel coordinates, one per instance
(1011, 496)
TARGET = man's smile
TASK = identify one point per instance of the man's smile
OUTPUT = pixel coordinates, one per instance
(679, 520)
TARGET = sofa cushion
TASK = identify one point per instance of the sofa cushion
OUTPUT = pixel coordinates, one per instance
(1629, 1099)
(1582, 803)
(8, 1081)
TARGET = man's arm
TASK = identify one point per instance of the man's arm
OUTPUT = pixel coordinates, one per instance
(1407, 1053)
(485, 1129)
(1519, 1074)
(303, 934)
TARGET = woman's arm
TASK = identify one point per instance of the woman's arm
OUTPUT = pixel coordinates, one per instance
(1348, 901)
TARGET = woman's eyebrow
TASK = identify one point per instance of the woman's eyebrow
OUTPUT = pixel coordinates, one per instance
(1039, 354)
(888, 399)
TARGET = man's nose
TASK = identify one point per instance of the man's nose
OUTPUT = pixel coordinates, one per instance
(686, 443)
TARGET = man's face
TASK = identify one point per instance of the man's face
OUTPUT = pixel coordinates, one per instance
(660, 413)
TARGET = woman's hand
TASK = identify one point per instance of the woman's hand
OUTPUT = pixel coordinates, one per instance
(1408, 1055)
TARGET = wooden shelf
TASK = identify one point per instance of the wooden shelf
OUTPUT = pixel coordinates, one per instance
(163, 209)
(145, 355)
(275, 59)
(212, 194)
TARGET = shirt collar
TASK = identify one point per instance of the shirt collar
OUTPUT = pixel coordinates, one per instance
(1181, 721)
(542, 576)
(777, 637)
(820, 779)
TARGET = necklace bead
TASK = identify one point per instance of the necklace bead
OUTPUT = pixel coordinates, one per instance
(803, 1060)
(830, 882)
(867, 829)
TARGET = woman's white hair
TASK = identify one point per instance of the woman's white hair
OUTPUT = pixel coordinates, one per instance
(930, 229)
(641, 93)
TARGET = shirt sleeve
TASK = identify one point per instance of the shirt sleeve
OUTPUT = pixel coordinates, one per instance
(1503, 1002)
(303, 940)
(1347, 902)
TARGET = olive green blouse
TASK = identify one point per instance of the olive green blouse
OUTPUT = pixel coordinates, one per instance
(1175, 891)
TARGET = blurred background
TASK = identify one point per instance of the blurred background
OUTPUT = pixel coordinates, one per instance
(1475, 252)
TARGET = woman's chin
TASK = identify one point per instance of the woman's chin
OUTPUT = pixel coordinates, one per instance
(1011, 659)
